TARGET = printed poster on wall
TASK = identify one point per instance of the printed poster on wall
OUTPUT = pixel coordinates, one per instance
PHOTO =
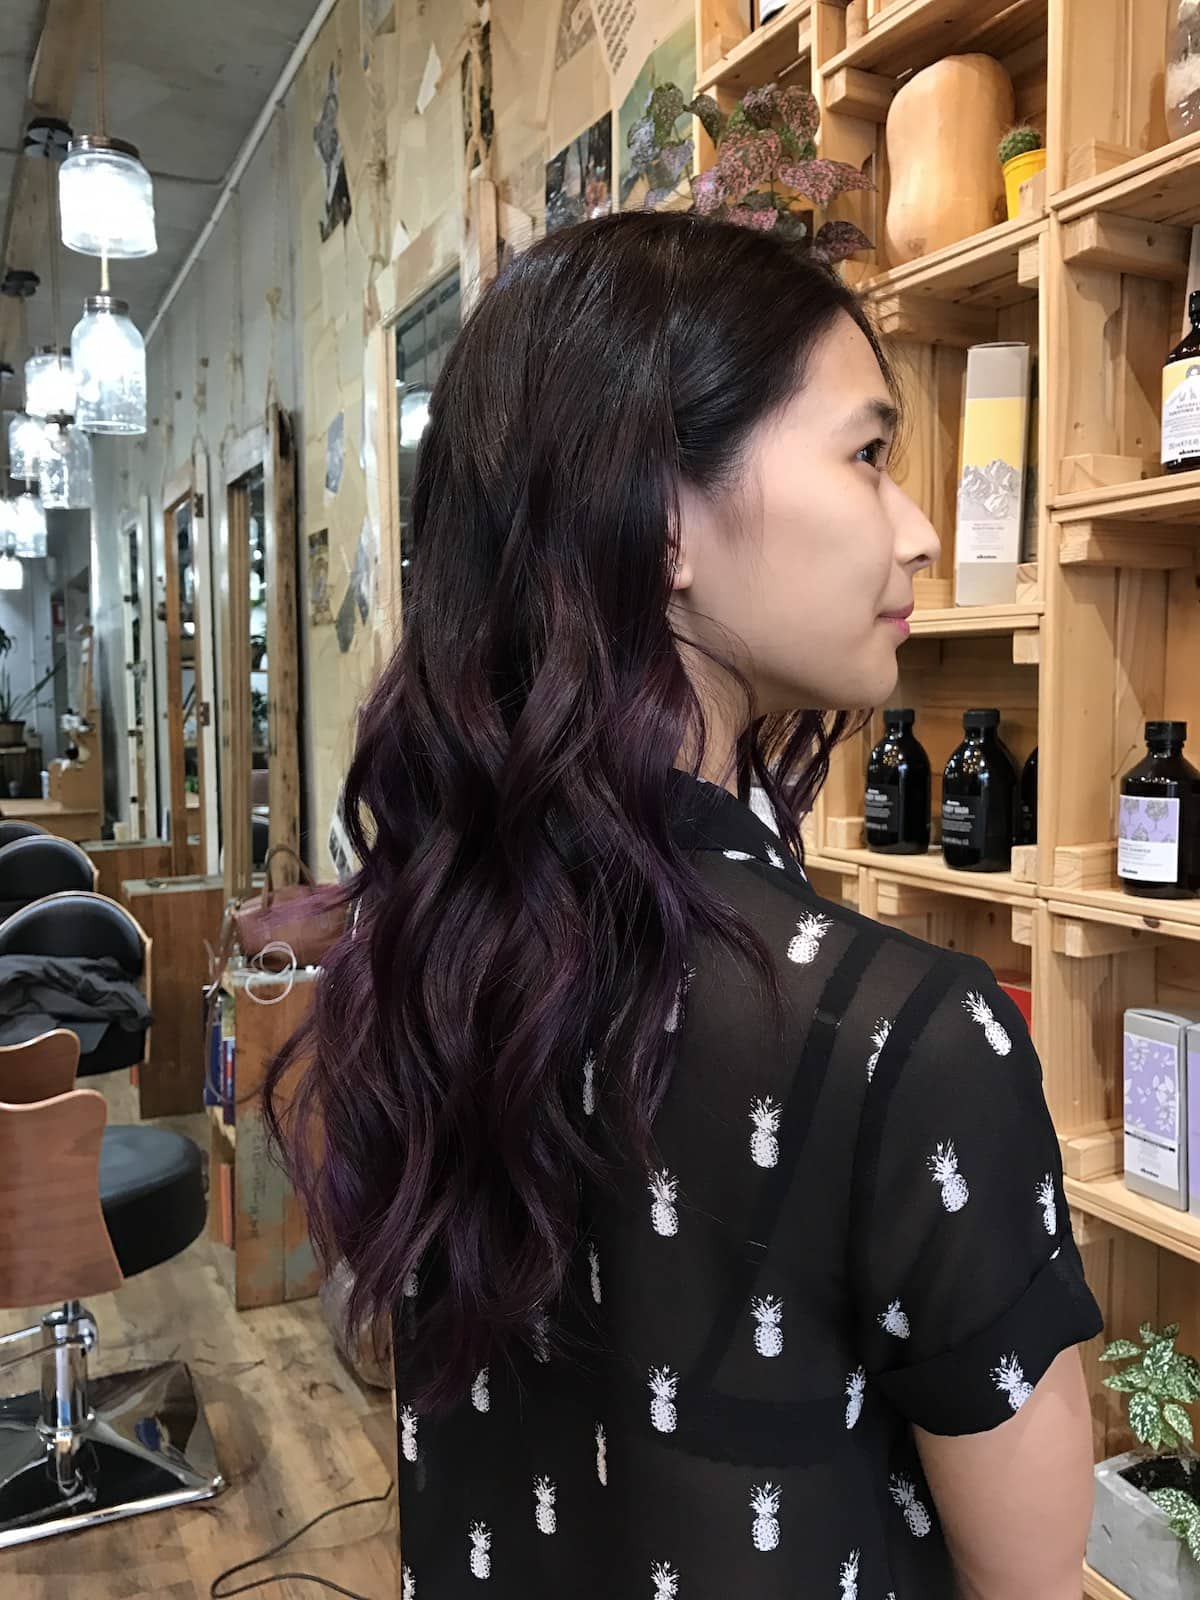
(628, 31)
(579, 178)
(672, 61)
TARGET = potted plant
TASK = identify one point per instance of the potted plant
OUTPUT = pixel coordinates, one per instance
(14, 708)
(767, 174)
(1145, 1534)
(1022, 154)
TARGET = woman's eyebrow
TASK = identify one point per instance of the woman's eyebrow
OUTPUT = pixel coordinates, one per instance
(877, 413)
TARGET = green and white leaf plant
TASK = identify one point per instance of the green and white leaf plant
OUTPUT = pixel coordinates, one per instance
(1161, 1383)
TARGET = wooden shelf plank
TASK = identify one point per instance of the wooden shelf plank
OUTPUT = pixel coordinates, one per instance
(1161, 186)
(1171, 500)
(1172, 919)
(768, 53)
(1111, 1201)
(931, 872)
(1097, 1588)
(961, 622)
(909, 34)
(981, 271)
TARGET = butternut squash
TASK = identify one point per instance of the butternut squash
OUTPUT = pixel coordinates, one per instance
(942, 132)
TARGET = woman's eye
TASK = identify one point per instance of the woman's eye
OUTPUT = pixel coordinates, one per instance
(873, 454)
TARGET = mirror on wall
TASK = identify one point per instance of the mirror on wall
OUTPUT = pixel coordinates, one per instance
(424, 334)
(260, 693)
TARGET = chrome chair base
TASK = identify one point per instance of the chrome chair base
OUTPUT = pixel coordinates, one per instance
(142, 1444)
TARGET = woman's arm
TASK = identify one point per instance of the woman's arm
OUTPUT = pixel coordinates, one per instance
(1016, 1502)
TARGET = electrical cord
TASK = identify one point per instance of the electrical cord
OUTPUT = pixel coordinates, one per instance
(296, 1577)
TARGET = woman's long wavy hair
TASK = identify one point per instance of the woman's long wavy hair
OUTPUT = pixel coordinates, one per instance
(521, 903)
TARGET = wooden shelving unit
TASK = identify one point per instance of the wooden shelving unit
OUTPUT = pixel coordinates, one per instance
(1106, 631)
(1097, 1588)
(780, 51)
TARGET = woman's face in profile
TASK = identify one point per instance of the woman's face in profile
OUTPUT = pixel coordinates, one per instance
(810, 568)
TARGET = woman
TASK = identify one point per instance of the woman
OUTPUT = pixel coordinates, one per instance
(725, 1227)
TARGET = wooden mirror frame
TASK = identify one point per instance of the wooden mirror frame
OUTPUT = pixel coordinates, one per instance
(271, 447)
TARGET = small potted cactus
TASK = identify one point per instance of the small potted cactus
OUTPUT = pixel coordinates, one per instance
(1145, 1534)
(1022, 154)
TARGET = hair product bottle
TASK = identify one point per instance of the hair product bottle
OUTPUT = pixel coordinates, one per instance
(1158, 851)
(899, 789)
(1181, 398)
(979, 794)
(1027, 807)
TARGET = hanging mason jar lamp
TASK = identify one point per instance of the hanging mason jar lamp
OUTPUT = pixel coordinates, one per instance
(49, 383)
(28, 532)
(106, 199)
(65, 470)
(24, 446)
(109, 360)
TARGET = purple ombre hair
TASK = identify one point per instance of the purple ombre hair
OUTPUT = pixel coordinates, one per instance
(521, 903)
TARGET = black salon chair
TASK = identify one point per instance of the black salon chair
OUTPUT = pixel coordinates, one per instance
(75, 923)
(81, 1208)
(38, 865)
(19, 830)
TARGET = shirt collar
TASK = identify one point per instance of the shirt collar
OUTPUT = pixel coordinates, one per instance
(707, 817)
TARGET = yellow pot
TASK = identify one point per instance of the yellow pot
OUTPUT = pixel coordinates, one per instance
(1018, 171)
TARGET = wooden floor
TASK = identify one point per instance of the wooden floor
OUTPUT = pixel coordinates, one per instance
(295, 1431)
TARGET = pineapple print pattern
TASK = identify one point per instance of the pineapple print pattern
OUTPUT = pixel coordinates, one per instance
(894, 1321)
(481, 1397)
(594, 1271)
(545, 1515)
(944, 1167)
(776, 859)
(765, 1505)
(738, 855)
(879, 1038)
(481, 1543)
(589, 1086)
(849, 1576)
(1010, 1380)
(768, 1335)
(663, 1384)
(993, 1032)
(664, 1191)
(408, 1585)
(1045, 1199)
(408, 1433)
(665, 1580)
(856, 1389)
(601, 1455)
(806, 944)
(765, 1114)
(915, 1515)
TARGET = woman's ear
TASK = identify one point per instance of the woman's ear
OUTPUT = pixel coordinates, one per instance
(682, 575)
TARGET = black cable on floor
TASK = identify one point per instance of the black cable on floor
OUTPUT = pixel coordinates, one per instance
(296, 1577)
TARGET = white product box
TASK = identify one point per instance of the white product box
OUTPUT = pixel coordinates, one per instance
(1193, 1117)
(1156, 1104)
(991, 485)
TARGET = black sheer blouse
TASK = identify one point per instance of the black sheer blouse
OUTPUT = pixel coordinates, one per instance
(858, 1232)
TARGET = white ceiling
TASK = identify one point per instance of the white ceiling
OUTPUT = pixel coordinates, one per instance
(185, 81)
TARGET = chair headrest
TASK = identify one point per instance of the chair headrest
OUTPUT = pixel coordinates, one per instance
(20, 830)
(74, 924)
(42, 864)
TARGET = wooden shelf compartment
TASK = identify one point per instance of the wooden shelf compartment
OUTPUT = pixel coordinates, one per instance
(1107, 905)
(908, 34)
(1109, 1199)
(928, 875)
(855, 86)
(962, 622)
(1152, 523)
(779, 51)
(1158, 186)
(988, 271)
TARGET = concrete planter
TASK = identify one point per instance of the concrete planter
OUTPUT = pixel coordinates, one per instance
(1131, 1543)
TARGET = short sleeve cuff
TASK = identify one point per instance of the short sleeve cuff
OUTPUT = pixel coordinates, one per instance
(985, 1381)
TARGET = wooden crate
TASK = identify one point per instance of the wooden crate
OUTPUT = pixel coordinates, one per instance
(274, 1259)
(1106, 630)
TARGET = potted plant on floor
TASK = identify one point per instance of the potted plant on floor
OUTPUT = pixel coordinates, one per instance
(1145, 1534)
(15, 708)
(1022, 154)
(767, 174)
